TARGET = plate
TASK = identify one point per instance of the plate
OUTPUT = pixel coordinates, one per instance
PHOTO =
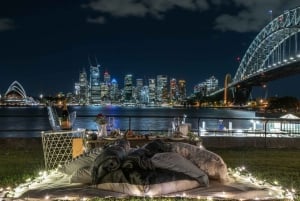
(152, 137)
(110, 138)
(177, 138)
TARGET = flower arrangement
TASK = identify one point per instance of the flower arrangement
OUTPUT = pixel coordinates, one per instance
(100, 119)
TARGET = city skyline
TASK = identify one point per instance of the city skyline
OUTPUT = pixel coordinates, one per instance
(44, 45)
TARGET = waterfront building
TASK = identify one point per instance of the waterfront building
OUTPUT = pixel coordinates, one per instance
(212, 84)
(200, 89)
(114, 91)
(139, 83)
(82, 90)
(161, 89)
(76, 91)
(95, 90)
(152, 89)
(173, 90)
(139, 87)
(104, 87)
(181, 90)
(106, 78)
(16, 95)
(144, 95)
(208, 86)
(104, 91)
(128, 87)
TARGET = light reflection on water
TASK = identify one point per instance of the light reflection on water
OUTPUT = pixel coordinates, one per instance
(37, 118)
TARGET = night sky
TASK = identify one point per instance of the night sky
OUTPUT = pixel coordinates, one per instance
(44, 44)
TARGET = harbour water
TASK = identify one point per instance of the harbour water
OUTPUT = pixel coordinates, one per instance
(30, 121)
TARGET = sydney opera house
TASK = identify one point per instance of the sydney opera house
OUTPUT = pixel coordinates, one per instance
(16, 96)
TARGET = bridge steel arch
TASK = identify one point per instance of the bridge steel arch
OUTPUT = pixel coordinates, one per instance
(269, 40)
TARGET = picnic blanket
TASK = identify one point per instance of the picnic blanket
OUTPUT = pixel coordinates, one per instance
(156, 169)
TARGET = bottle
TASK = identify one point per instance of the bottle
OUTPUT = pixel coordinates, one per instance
(65, 118)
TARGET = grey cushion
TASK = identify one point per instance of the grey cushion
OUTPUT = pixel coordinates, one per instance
(211, 163)
(84, 160)
(177, 163)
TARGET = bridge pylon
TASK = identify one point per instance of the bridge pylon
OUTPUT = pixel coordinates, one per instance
(226, 83)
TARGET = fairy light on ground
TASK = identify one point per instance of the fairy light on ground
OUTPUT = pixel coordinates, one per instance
(238, 174)
(30, 183)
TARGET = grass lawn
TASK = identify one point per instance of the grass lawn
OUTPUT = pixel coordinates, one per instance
(280, 165)
(19, 162)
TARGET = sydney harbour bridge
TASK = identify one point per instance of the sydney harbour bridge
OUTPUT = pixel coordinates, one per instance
(273, 54)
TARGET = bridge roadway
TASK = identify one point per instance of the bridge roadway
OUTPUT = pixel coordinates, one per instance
(260, 78)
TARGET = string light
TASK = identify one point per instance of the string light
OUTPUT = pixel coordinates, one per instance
(238, 174)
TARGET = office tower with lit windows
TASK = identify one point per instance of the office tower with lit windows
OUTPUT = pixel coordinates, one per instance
(76, 89)
(128, 87)
(114, 91)
(83, 88)
(152, 90)
(104, 86)
(200, 89)
(106, 77)
(104, 91)
(95, 90)
(181, 90)
(144, 95)
(173, 90)
(209, 85)
(212, 84)
(162, 88)
(139, 87)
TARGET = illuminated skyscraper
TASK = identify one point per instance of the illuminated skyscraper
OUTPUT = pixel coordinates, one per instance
(182, 89)
(139, 83)
(173, 89)
(212, 84)
(77, 88)
(200, 89)
(152, 89)
(114, 90)
(128, 87)
(104, 91)
(105, 87)
(139, 87)
(95, 91)
(161, 89)
(106, 77)
(83, 89)
(145, 95)
(204, 88)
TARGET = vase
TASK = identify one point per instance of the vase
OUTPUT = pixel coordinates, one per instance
(102, 131)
